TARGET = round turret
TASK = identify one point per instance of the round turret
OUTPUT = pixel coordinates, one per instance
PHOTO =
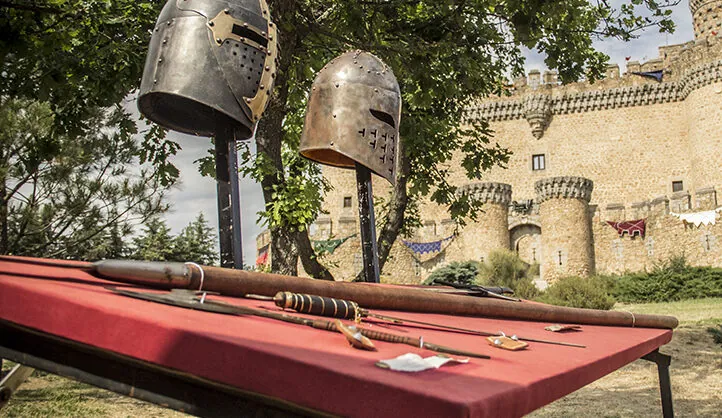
(707, 17)
(491, 230)
(566, 227)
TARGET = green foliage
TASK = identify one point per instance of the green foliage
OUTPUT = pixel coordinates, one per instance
(577, 292)
(70, 196)
(716, 333)
(196, 243)
(455, 272)
(669, 281)
(155, 243)
(505, 268)
(79, 56)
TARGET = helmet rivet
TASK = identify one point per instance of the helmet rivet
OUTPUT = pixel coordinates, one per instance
(219, 40)
(331, 143)
(211, 24)
(269, 53)
(376, 90)
(169, 22)
(226, 11)
(245, 25)
(248, 100)
(268, 68)
(155, 81)
(165, 41)
(263, 33)
(334, 115)
(262, 86)
(336, 84)
(160, 59)
(270, 37)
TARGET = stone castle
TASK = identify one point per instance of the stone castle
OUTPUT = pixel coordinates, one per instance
(589, 162)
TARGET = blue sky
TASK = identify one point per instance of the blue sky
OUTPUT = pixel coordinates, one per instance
(198, 194)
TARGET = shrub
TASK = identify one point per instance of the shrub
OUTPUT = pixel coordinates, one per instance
(669, 281)
(465, 272)
(577, 292)
(505, 268)
(716, 333)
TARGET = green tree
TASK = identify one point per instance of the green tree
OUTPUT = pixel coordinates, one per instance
(446, 55)
(155, 243)
(70, 196)
(196, 242)
(79, 56)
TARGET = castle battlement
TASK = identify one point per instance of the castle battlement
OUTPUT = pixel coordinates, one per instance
(686, 67)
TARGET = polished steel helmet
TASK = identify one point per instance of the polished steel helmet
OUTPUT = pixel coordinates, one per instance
(210, 63)
(353, 115)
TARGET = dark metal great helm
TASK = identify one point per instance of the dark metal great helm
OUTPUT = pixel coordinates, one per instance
(353, 115)
(210, 63)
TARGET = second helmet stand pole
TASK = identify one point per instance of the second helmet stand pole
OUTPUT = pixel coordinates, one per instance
(367, 220)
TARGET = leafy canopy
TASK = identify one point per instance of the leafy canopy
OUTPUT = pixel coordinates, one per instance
(80, 56)
(70, 196)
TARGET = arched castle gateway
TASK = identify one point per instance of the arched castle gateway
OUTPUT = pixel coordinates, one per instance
(606, 177)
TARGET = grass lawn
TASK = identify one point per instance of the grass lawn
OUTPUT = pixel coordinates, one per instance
(632, 391)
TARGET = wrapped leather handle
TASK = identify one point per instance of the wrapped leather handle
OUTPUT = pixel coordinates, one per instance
(317, 305)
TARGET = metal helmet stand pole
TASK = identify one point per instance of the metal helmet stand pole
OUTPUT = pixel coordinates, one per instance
(229, 201)
(367, 220)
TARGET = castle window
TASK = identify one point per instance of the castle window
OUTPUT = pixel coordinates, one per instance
(677, 186)
(537, 162)
(347, 201)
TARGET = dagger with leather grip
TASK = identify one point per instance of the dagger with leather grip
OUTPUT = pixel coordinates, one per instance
(197, 300)
(344, 309)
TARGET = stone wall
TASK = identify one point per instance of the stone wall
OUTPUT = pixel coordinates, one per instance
(492, 224)
(566, 237)
(666, 236)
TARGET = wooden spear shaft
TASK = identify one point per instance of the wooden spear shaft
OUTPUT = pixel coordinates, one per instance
(373, 296)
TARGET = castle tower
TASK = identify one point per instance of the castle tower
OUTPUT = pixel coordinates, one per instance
(491, 230)
(566, 227)
(706, 17)
(704, 102)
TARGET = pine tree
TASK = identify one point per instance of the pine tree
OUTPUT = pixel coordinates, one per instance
(196, 242)
(155, 243)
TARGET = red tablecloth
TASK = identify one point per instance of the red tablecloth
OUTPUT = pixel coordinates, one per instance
(315, 368)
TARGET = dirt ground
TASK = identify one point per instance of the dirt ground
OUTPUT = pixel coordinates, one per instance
(633, 391)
